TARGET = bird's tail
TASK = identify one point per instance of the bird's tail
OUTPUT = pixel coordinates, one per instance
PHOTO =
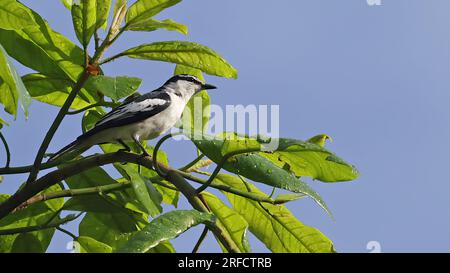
(70, 151)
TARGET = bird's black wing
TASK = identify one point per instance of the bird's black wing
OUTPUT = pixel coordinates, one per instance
(139, 109)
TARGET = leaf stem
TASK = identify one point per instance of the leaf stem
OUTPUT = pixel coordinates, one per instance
(8, 153)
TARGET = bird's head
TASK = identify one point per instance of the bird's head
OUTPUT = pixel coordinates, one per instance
(187, 85)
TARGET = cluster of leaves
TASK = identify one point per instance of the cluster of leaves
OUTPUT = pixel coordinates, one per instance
(125, 214)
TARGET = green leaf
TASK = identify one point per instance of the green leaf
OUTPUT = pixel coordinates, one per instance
(54, 91)
(152, 25)
(44, 50)
(287, 197)
(234, 223)
(88, 16)
(114, 87)
(185, 53)
(35, 214)
(256, 167)
(67, 3)
(109, 229)
(275, 225)
(165, 227)
(14, 16)
(311, 160)
(320, 140)
(197, 112)
(90, 245)
(27, 243)
(146, 193)
(12, 88)
(121, 203)
(145, 9)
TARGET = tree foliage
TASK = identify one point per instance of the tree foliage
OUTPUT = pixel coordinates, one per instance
(125, 214)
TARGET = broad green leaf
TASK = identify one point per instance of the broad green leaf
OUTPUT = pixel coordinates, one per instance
(197, 112)
(109, 229)
(12, 89)
(185, 53)
(114, 87)
(234, 223)
(35, 214)
(27, 243)
(256, 167)
(275, 225)
(145, 9)
(146, 193)
(90, 245)
(54, 91)
(122, 203)
(152, 25)
(165, 227)
(88, 16)
(14, 16)
(298, 157)
(44, 50)
(311, 160)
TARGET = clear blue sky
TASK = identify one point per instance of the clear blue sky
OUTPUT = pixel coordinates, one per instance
(375, 78)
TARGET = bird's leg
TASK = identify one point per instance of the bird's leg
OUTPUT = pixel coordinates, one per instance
(126, 148)
(144, 152)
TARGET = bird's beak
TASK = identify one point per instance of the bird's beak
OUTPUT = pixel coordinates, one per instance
(208, 86)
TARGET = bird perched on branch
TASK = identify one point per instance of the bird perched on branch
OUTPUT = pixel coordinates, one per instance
(144, 117)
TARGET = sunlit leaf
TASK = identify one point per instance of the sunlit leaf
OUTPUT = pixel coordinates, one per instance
(44, 50)
(185, 53)
(165, 227)
(234, 223)
(90, 245)
(152, 25)
(88, 16)
(146, 193)
(12, 89)
(145, 9)
(14, 16)
(275, 225)
(114, 87)
(54, 91)
(256, 167)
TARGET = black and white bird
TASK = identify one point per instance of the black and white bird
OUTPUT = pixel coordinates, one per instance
(144, 117)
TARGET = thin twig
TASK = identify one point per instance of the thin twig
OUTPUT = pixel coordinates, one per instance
(106, 104)
(200, 240)
(8, 153)
(51, 132)
(74, 237)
